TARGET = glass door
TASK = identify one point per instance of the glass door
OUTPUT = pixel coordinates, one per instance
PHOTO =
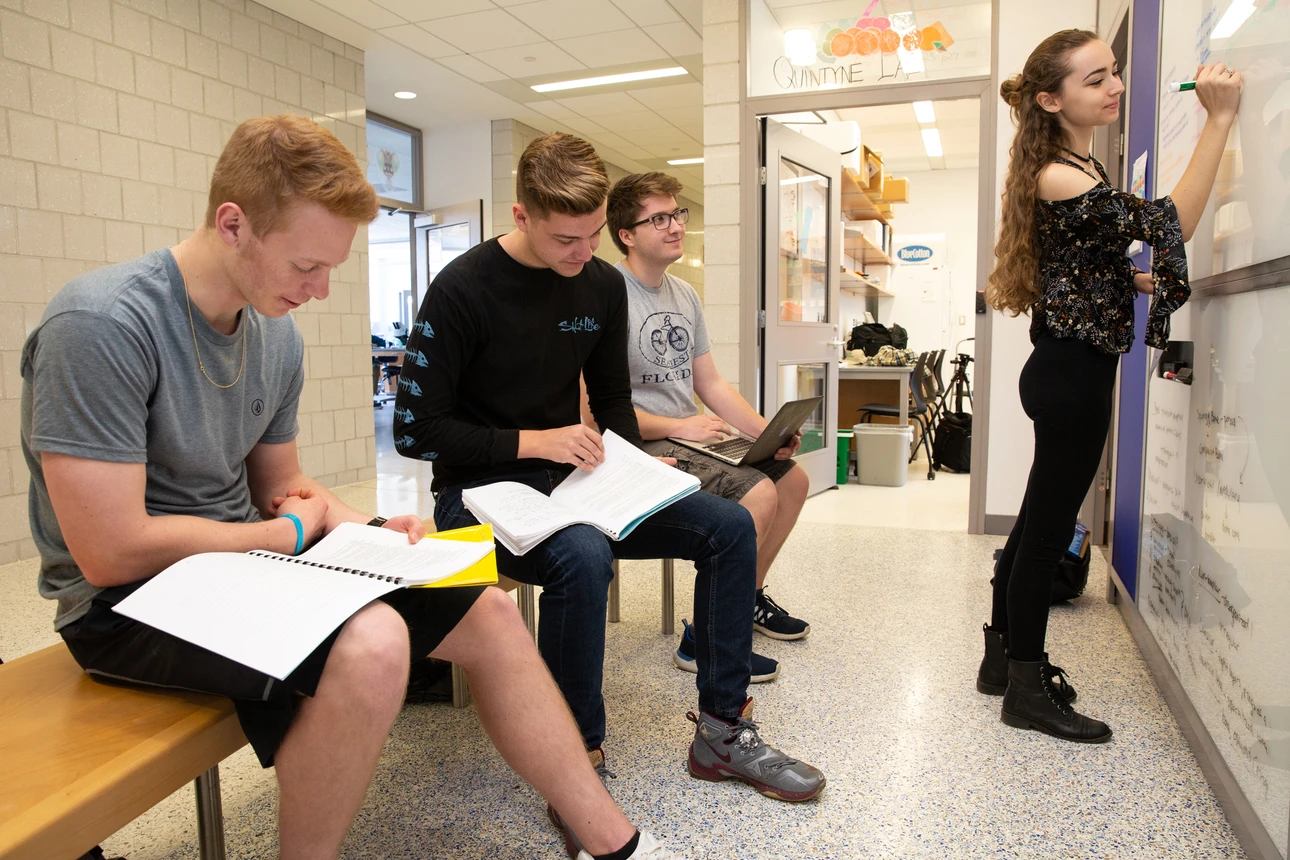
(802, 217)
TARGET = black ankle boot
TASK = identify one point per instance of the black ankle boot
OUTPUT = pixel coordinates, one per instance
(1034, 700)
(992, 677)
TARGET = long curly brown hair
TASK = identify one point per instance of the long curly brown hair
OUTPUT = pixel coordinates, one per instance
(1014, 283)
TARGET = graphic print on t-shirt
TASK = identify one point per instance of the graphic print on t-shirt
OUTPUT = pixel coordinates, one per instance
(664, 339)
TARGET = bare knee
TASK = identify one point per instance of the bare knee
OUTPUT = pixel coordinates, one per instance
(762, 502)
(492, 622)
(792, 490)
(372, 653)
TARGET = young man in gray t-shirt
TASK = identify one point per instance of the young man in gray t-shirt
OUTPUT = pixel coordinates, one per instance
(159, 420)
(670, 361)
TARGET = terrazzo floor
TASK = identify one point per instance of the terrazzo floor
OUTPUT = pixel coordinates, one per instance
(880, 696)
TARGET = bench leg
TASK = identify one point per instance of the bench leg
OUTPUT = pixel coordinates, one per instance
(527, 601)
(613, 594)
(460, 692)
(669, 598)
(210, 816)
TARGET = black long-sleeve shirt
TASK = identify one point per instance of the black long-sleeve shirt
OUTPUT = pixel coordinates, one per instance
(497, 348)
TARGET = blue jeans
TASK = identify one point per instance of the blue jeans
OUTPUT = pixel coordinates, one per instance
(574, 568)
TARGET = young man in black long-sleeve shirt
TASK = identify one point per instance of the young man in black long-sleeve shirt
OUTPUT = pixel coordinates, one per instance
(489, 392)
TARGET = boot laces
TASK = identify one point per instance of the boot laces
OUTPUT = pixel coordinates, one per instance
(771, 606)
(1056, 680)
(744, 735)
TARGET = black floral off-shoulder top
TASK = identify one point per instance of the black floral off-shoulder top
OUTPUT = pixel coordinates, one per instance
(1086, 280)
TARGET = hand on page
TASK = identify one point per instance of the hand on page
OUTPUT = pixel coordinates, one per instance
(409, 524)
(577, 445)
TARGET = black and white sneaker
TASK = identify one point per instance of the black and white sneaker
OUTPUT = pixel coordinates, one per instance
(770, 619)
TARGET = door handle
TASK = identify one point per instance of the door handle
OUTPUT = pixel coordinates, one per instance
(835, 343)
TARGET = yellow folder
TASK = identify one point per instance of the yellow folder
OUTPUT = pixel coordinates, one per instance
(482, 572)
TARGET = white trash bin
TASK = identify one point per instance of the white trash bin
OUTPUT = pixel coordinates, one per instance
(882, 453)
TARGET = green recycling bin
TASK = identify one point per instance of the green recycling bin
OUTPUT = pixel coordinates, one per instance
(844, 454)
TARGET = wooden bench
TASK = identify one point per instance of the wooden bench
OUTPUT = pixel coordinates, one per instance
(79, 760)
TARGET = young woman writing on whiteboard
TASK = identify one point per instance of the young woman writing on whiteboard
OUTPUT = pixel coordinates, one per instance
(1061, 258)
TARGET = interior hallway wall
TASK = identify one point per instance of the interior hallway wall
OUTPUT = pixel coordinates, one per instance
(457, 167)
(1011, 442)
(112, 116)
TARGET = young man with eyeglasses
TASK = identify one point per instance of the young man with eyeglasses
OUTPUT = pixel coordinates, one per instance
(506, 330)
(671, 360)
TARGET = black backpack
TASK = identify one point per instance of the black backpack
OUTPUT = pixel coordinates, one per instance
(899, 337)
(952, 445)
(870, 337)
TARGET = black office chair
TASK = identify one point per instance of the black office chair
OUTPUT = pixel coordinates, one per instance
(918, 410)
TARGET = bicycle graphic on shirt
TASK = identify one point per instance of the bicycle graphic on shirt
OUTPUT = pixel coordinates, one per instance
(663, 342)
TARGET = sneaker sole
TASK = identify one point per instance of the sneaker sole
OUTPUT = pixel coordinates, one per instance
(720, 774)
(1023, 723)
(692, 667)
(783, 637)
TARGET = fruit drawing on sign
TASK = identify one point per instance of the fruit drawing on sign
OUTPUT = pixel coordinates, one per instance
(880, 35)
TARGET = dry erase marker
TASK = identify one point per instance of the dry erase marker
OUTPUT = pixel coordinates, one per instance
(1182, 87)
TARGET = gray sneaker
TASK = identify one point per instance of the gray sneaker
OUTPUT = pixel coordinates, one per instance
(648, 848)
(721, 751)
(572, 846)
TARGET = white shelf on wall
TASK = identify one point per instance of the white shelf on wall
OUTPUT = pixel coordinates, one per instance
(860, 247)
(849, 282)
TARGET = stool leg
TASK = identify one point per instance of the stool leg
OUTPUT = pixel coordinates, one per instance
(528, 608)
(460, 692)
(613, 595)
(210, 816)
(669, 598)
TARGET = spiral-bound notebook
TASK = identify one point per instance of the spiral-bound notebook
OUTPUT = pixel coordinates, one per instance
(270, 611)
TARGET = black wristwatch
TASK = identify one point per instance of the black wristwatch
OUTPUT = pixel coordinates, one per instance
(377, 521)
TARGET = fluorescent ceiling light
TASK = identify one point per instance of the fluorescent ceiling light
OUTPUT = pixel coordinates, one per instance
(685, 161)
(1233, 18)
(802, 117)
(404, 94)
(924, 112)
(647, 75)
(932, 142)
(797, 180)
(799, 47)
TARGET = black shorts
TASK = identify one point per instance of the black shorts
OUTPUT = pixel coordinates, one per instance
(115, 649)
(717, 476)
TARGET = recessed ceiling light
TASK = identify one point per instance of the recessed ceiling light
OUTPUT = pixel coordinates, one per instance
(924, 112)
(932, 142)
(404, 94)
(530, 59)
(602, 80)
(685, 161)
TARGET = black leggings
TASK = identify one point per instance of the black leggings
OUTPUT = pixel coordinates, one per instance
(1066, 389)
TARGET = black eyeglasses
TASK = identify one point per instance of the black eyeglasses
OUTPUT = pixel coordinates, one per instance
(663, 220)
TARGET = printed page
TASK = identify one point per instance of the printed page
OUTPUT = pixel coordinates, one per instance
(629, 484)
(262, 612)
(388, 553)
(520, 515)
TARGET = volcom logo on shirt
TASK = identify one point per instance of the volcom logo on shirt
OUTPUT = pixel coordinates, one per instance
(664, 339)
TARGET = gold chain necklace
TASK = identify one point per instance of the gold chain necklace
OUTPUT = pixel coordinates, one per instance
(193, 327)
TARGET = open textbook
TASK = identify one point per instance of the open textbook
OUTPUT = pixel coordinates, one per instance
(615, 497)
(270, 611)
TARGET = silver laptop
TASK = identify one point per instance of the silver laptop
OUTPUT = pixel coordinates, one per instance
(741, 449)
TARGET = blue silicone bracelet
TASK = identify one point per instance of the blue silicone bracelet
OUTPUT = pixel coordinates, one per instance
(300, 532)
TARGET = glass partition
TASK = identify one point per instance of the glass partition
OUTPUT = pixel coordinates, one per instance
(798, 47)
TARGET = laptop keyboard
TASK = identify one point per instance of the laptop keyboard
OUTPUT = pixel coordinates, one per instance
(736, 447)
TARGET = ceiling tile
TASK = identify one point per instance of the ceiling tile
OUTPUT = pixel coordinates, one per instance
(691, 11)
(625, 123)
(677, 39)
(660, 134)
(634, 152)
(601, 104)
(582, 126)
(673, 95)
(565, 19)
(424, 10)
(483, 31)
(614, 49)
(553, 109)
(691, 116)
(468, 66)
(412, 36)
(547, 60)
(364, 11)
(647, 12)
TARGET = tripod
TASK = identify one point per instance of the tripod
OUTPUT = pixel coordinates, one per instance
(959, 381)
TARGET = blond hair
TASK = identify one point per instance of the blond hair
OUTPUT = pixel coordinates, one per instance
(627, 200)
(560, 173)
(272, 163)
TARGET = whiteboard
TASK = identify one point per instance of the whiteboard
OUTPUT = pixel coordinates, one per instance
(1247, 220)
(1215, 556)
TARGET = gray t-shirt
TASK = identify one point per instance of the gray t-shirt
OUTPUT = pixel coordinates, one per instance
(111, 374)
(666, 332)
